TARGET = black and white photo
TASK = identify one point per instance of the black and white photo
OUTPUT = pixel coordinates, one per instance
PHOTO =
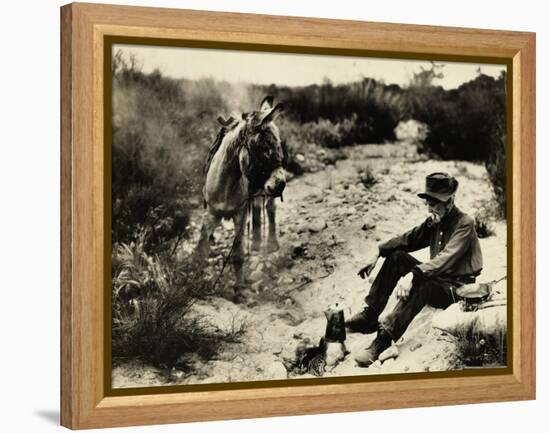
(285, 216)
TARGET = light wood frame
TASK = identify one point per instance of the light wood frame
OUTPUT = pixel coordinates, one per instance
(83, 400)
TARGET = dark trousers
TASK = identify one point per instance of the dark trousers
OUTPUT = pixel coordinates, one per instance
(436, 292)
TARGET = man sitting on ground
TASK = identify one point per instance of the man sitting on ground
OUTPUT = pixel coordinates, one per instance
(455, 259)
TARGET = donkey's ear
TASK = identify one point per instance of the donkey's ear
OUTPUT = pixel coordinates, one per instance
(225, 122)
(267, 103)
(273, 114)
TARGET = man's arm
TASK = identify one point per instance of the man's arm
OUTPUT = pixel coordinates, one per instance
(455, 248)
(413, 240)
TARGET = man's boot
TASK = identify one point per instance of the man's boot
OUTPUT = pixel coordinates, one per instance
(365, 322)
(368, 356)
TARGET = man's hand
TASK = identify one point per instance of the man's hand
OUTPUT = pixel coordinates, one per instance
(404, 286)
(367, 269)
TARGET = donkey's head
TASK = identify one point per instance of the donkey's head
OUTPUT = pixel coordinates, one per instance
(262, 162)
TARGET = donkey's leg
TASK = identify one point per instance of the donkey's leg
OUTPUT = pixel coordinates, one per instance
(272, 242)
(209, 224)
(257, 223)
(237, 257)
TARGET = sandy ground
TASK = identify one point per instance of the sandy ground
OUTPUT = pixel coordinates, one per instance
(330, 223)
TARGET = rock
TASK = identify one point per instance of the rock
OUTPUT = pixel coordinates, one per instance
(253, 261)
(257, 276)
(176, 374)
(336, 352)
(332, 201)
(299, 250)
(491, 321)
(317, 225)
(333, 241)
(487, 321)
(257, 286)
(368, 226)
(453, 320)
(288, 302)
(275, 370)
(300, 157)
(389, 363)
(315, 198)
(415, 347)
(391, 352)
(295, 347)
(353, 188)
(285, 280)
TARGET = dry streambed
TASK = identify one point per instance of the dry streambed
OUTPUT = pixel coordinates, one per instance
(330, 222)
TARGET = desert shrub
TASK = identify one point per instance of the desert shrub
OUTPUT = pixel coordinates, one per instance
(322, 132)
(150, 195)
(152, 308)
(477, 349)
(377, 107)
(467, 123)
(161, 134)
(483, 222)
(366, 175)
(496, 164)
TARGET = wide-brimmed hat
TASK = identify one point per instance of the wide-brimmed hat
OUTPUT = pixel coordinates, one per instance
(440, 186)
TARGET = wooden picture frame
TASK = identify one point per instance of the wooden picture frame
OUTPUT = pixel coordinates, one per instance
(84, 30)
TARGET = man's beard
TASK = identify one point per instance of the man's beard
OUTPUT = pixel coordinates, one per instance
(436, 218)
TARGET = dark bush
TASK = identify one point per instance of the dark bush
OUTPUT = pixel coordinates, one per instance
(376, 107)
(161, 135)
(468, 123)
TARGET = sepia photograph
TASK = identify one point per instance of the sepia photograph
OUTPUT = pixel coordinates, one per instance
(286, 216)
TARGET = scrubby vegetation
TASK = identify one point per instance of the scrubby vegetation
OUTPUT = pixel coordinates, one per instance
(478, 349)
(151, 303)
(158, 149)
(468, 123)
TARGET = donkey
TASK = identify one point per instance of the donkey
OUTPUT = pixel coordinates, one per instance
(245, 162)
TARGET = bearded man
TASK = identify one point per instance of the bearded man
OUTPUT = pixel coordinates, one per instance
(455, 260)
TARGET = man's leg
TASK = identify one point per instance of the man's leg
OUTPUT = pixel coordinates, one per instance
(396, 265)
(425, 291)
(435, 292)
